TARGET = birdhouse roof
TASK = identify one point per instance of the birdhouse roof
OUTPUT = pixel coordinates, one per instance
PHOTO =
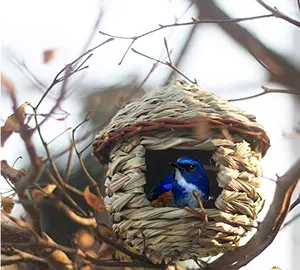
(181, 105)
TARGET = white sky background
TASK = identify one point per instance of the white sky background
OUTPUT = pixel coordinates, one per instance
(217, 62)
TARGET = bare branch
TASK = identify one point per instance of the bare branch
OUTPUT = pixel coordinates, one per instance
(184, 49)
(21, 256)
(9, 172)
(166, 64)
(94, 30)
(11, 232)
(48, 246)
(133, 256)
(168, 52)
(69, 67)
(56, 137)
(279, 14)
(69, 164)
(268, 228)
(20, 64)
(85, 221)
(57, 179)
(36, 162)
(17, 159)
(25, 201)
(286, 73)
(267, 90)
(295, 203)
(193, 22)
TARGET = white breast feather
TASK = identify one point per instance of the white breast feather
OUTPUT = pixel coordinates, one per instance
(189, 189)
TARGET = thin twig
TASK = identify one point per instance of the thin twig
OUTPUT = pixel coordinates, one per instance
(61, 186)
(69, 66)
(267, 90)
(20, 64)
(25, 201)
(168, 52)
(166, 64)
(268, 228)
(56, 137)
(94, 30)
(73, 189)
(69, 164)
(57, 179)
(279, 14)
(198, 198)
(36, 162)
(79, 155)
(193, 22)
(23, 224)
(263, 64)
(295, 203)
(184, 49)
(286, 72)
(205, 220)
(151, 71)
(37, 165)
(21, 256)
(17, 159)
(47, 246)
(132, 255)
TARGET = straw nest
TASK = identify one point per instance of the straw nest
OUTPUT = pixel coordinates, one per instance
(182, 119)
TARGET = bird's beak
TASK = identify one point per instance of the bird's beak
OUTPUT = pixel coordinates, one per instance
(175, 165)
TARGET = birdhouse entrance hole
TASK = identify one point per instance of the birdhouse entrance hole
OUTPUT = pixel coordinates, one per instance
(157, 163)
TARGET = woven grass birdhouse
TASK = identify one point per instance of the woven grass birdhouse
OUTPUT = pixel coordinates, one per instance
(182, 120)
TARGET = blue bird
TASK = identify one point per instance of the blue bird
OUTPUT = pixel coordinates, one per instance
(176, 189)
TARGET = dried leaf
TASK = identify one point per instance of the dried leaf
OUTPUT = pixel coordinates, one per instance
(10, 173)
(48, 55)
(7, 205)
(80, 252)
(94, 201)
(39, 195)
(57, 255)
(61, 257)
(7, 83)
(86, 267)
(13, 123)
(84, 239)
(91, 253)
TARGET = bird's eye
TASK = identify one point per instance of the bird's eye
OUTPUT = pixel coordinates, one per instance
(191, 168)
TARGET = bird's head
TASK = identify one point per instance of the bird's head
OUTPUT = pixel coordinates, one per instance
(191, 170)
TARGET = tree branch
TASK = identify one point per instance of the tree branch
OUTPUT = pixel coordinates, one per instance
(279, 14)
(21, 256)
(268, 228)
(282, 71)
(193, 22)
(265, 91)
(166, 64)
(184, 50)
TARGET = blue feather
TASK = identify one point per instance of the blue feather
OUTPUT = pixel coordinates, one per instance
(189, 175)
(163, 186)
